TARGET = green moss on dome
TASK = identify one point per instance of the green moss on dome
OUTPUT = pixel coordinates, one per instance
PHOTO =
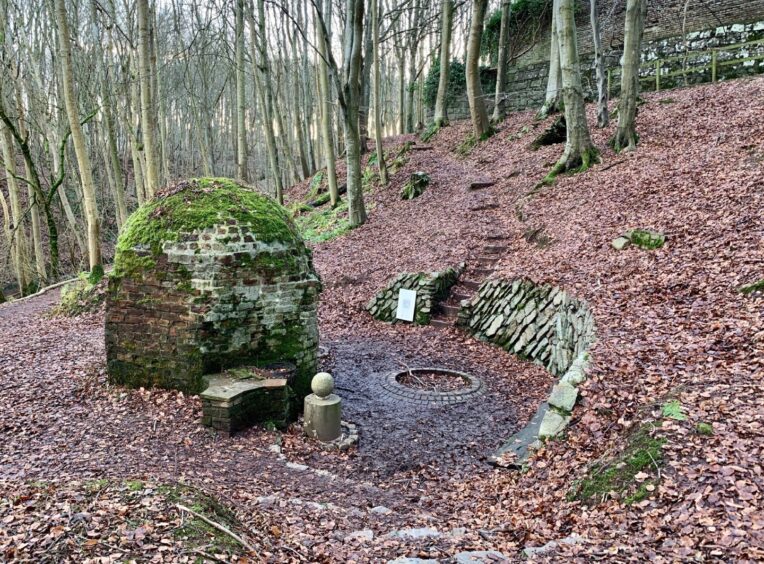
(194, 205)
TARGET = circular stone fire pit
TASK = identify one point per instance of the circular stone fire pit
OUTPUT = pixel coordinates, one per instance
(432, 386)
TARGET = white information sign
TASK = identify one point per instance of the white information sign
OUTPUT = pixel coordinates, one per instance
(406, 305)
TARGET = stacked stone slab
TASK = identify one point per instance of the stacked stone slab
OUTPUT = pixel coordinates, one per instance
(431, 288)
(210, 275)
(237, 399)
(535, 321)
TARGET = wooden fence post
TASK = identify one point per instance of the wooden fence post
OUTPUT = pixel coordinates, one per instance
(609, 80)
(713, 65)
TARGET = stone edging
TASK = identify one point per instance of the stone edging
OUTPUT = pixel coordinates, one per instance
(544, 324)
(430, 398)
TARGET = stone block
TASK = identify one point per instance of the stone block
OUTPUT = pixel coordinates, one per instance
(553, 424)
(563, 397)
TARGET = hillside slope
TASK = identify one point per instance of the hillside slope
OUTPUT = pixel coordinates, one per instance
(671, 322)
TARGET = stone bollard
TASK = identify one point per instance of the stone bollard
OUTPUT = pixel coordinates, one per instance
(323, 409)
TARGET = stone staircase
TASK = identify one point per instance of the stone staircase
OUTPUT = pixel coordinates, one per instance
(478, 270)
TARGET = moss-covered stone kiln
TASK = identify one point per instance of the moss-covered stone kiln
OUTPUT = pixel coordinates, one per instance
(208, 276)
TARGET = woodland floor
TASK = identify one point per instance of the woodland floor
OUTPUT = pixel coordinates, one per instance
(82, 464)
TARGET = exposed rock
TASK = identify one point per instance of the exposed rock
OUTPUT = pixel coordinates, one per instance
(480, 557)
(620, 243)
(362, 536)
(413, 534)
(563, 397)
(531, 551)
(553, 424)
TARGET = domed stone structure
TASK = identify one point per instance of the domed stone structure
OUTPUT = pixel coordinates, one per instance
(210, 275)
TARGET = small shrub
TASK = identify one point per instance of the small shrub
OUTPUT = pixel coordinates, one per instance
(415, 186)
(82, 296)
(324, 225)
(430, 132)
(673, 410)
(705, 429)
(316, 184)
(467, 145)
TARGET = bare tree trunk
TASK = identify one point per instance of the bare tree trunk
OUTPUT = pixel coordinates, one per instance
(554, 81)
(78, 139)
(579, 153)
(480, 124)
(626, 134)
(441, 102)
(500, 101)
(603, 117)
(261, 68)
(326, 109)
(413, 44)
(241, 156)
(148, 125)
(352, 96)
(20, 250)
(377, 100)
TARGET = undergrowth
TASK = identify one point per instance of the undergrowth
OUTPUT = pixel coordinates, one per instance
(84, 295)
(617, 475)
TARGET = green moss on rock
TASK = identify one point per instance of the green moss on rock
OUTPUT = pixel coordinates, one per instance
(194, 205)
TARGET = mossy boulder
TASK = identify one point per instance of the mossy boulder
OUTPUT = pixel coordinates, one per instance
(210, 275)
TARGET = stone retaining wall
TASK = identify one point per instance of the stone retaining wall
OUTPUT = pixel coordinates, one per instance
(527, 82)
(539, 322)
(431, 288)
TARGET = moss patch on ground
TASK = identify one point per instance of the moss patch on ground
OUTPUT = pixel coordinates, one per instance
(751, 288)
(620, 475)
(324, 224)
(193, 205)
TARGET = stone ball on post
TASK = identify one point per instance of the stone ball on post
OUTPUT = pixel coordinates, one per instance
(322, 384)
(323, 410)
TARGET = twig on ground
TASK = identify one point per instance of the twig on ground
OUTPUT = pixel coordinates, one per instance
(219, 527)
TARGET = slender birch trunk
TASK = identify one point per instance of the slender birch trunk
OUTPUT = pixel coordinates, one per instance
(241, 127)
(554, 80)
(603, 117)
(377, 100)
(500, 99)
(447, 23)
(148, 124)
(78, 139)
(326, 108)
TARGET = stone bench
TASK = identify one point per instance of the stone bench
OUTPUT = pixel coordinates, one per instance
(244, 397)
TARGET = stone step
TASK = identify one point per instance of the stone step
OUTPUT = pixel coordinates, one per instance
(496, 236)
(460, 296)
(450, 310)
(471, 284)
(482, 206)
(483, 272)
(487, 260)
(421, 147)
(494, 249)
(443, 322)
(480, 184)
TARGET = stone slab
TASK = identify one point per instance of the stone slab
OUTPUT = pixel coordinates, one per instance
(563, 397)
(553, 424)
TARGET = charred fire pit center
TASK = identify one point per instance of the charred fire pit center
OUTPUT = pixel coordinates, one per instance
(212, 276)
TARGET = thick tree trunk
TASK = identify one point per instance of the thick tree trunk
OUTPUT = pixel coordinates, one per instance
(626, 134)
(148, 125)
(480, 124)
(78, 139)
(579, 153)
(603, 117)
(441, 103)
(500, 101)
(381, 165)
(352, 98)
(365, 109)
(241, 126)
(554, 80)
(326, 112)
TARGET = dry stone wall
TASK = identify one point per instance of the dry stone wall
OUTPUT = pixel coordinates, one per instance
(431, 288)
(535, 321)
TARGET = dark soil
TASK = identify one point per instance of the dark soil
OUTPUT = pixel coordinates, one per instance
(432, 381)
